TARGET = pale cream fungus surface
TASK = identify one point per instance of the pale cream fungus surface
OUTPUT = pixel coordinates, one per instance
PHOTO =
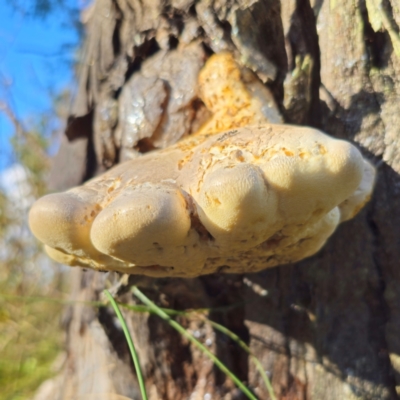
(239, 196)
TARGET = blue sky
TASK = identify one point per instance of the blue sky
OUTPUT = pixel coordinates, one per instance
(36, 62)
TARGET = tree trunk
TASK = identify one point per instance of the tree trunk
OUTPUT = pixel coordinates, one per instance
(324, 328)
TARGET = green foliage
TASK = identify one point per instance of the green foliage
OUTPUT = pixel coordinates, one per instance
(29, 343)
(5, 218)
(30, 336)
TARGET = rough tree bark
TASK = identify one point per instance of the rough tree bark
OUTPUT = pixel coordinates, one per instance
(329, 326)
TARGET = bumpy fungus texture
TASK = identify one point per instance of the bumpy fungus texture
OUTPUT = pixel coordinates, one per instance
(237, 201)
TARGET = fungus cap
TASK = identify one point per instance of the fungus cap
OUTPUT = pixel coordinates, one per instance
(244, 200)
(253, 196)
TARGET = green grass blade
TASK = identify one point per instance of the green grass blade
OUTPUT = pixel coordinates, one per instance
(130, 344)
(199, 313)
(162, 314)
(246, 348)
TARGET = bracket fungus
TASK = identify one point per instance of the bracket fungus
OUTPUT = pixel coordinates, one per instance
(241, 200)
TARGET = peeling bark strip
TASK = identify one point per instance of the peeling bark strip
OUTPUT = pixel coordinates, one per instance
(329, 326)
